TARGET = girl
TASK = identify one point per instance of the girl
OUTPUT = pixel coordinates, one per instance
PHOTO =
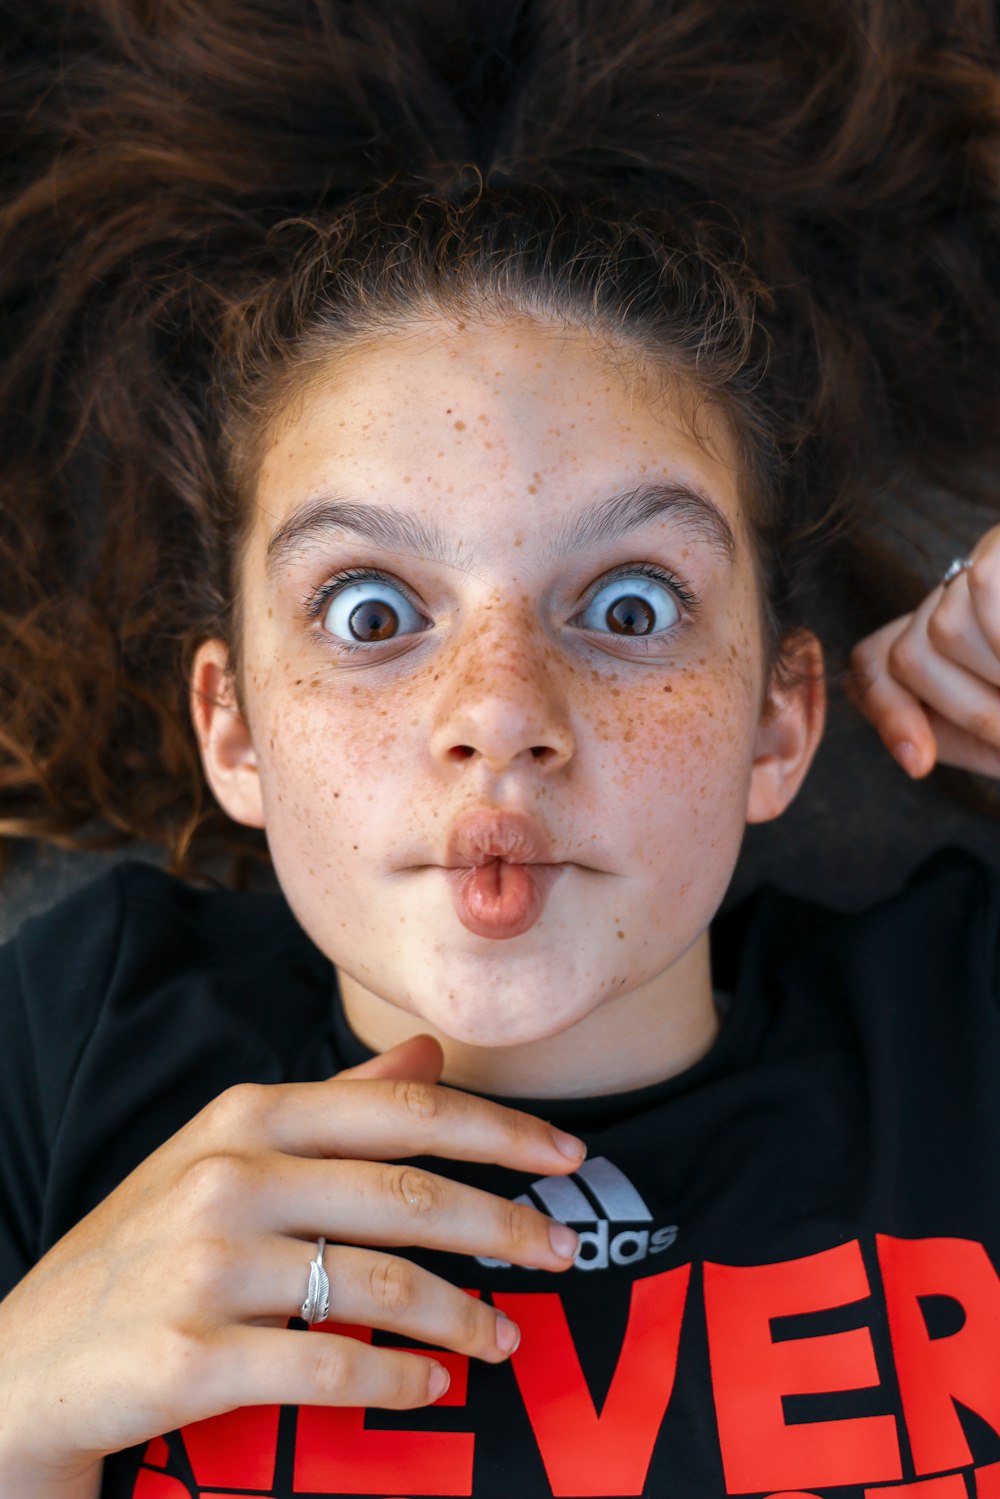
(490, 516)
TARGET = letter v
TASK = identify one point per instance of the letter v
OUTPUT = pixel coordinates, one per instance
(586, 1454)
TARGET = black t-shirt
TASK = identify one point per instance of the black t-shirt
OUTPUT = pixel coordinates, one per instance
(786, 1283)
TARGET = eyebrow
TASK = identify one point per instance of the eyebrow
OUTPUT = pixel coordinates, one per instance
(404, 531)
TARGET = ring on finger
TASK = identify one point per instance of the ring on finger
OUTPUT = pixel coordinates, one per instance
(316, 1307)
(959, 565)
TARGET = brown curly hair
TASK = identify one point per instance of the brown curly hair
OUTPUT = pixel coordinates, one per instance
(794, 204)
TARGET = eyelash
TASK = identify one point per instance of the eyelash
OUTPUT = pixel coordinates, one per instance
(314, 601)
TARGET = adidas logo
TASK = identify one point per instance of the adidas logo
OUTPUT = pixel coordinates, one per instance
(601, 1194)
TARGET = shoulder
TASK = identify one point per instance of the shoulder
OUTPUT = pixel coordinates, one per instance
(125, 938)
(136, 903)
(126, 1007)
(937, 936)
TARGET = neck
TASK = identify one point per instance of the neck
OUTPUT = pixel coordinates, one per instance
(654, 1032)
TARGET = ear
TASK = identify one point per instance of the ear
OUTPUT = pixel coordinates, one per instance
(227, 750)
(790, 727)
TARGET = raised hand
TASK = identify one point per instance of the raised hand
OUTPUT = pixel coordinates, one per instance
(169, 1302)
(930, 681)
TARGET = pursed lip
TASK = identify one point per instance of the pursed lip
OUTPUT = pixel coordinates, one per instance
(485, 833)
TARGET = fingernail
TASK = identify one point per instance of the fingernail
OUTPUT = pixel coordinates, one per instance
(908, 757)
(508, 1333)
(569, 1145)
(439, 1381)
(563, 1240)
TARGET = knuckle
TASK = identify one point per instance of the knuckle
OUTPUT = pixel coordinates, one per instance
(416, 1100)
(238, 1108)
(392, 1283)
(477, 1327)
(944, 631)
(520, 1226)
(417, 1191)
(520, 1129)
(411, 1383)
(903, 656)
(214, 1180)
(334, 1368)
(864, 663)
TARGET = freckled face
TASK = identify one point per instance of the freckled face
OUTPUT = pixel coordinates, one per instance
(609, 690)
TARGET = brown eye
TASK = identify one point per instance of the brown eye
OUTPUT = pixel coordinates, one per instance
(369, 611)
(634, 605)
(631, 616)
(373, 621)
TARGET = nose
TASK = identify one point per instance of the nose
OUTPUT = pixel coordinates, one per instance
(503, 706)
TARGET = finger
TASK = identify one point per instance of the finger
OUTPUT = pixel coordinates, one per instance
(956, 632)
(368, 1289)
(896, 714)
(420, 1057)
(953, 692)
(379, 1119)
(364, 1202)
(982, 585)
(957, 748)
(276, 1366)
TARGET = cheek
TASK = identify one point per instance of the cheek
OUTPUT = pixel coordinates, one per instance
(321, 762)
(677, 755)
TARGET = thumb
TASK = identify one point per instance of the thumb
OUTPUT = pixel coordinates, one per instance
(420, 1057)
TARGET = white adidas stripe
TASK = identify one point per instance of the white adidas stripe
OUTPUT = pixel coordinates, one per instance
(616, 1197)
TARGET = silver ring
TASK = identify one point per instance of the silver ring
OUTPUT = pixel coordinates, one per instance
(316, 1307)
(960, 565)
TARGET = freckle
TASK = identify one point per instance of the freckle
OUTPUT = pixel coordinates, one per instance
(620, 934)
(407, 479)
(668, 689)
(532, 488)
(487, 444)
(298, 682)
(355, 847)
(484, 418)
(269, 614)
(459, 426)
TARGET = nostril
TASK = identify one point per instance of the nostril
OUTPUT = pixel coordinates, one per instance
(538, 750)
(461, 751)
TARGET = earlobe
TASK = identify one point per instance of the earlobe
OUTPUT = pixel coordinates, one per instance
(224, 738)
(790, 728)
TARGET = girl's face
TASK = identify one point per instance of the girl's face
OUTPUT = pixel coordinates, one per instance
(546, 607)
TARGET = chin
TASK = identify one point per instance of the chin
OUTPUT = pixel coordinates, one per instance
(492, 1025)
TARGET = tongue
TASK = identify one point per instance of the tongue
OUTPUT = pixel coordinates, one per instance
(498, 899)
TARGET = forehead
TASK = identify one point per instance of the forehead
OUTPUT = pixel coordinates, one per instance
(485, 425)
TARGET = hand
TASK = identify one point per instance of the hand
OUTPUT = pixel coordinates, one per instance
(169, 1302)
(930, 681)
